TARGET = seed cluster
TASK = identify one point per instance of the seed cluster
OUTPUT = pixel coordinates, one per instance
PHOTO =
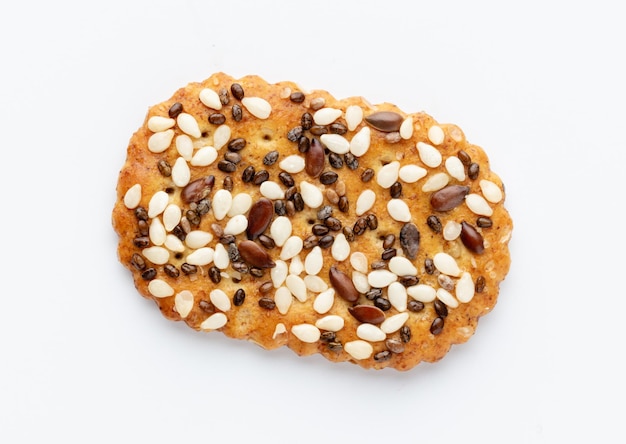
(244, 229)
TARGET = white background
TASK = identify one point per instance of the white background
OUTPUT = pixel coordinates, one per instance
(538, 84)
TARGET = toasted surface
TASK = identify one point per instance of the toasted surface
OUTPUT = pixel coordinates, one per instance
(387, 277)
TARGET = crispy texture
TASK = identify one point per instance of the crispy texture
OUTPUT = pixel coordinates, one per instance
(252, 322)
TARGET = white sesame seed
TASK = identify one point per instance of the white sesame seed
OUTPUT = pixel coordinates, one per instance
(436, 135)
(215, 321)
(491, 191)
(411, 173)
(220, 257)
(394, 323)
(381, 278)
(365, 202)
(278, 274)
(297, 287)
(370, 332)
(181, 173)
(205, 156)
(429, 154)
(197, 239)
(315, 284)
(296, 266)
(314, 261)
(201, 256)
(210, 98)
(292, 164)
(360, 282)
(157, 232)
(406, 129)
(435, 182)
(285, 92)
(402, 266)
(422, 292)
(159, 142)
(236, 225)
(451, 230)
(240, 205)
(324, 301)
(188, 124)
(174, 244)
(160, 123)
(279, 330)
(399, 210)
(335, 143)
(222, 201)
(465, 288)
(280, 230)
(360, 142)
(388, 174)
(283, 299)
(271, 190)
(455, 168)
(291, 248)
(258, 107)
(132, 197)
(354, 116)
(183, 303)
(397, 296)
(221, 136)
(171, 216)
(306, 332)
(332, 323)
(326, 116)
(184, 146)
(446, 297)
(158, 203)
(358, 261)
(340, 249)
(311, 195)
(160, 289)
(359, 349)
(446, 264)
(220, 299)
(478, 205)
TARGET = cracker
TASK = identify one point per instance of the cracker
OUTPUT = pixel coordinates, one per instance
(289, 217)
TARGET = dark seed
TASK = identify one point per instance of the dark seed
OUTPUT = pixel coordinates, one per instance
(328, 336)
(138, 262)
(471, 238)
(290, 192)
(206, 306)
(449, 197)
(372, 221)
(386, 121)
(473, 170)
(328, 177)
(228, 183)
(141, 242)
(306, 121)
(257, 272)
(367, 314)
(144, 228)
(396, 190)
(223, 95)
(286, 179)
(335, 160)
(320, 230)
(267, 303)
(440, 308)
(239, 297)
(389, 241)
(409, 281)
(437, 326)
(266, 241)
(304, 144)
(325, 212)
(298, 202)
(141, 214)
(237, 144)
(279, 207)
(314, 158)
(149, 274)
(394, 346)
(333, 223)
(337, 128)
(291, 208)
(318, 130)
(349, 233)
(217, 118)
(343, 285)
(297, 97)
(388, 254)
(367, 175)
(255, 255)
(171, 271)
(405, 334)
(479, 286)
(294, 134)
(215, 275)
(188, 268)
(410, 240)
(343, 204)
(241, 267)
(434, 223)
(248, 174)
(233, 252)
(335, 346)
(227, 239)
(310, 242)
(266, 287)
(374, 293)
(226, 166)
(237, 112)
(193, 217)
(260, 177)
(429, 266)
(360, 226)
(237, 91)
(326, 241)
(198, 189)
(382, 303)
(175, 110)
(415, 306)
(232, 156)
(204, 205)
(464, 158)
(381, 356)
(351, 161)
(378, 265)
(164, 168)
(484, 222)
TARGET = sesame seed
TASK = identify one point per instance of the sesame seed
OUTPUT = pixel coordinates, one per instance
(160, 289)
(210, 99)
(306, 332)
(258, 107)
(429, 154)
(183, 303)
(214, 322)
(132, 197)
(159, 142)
